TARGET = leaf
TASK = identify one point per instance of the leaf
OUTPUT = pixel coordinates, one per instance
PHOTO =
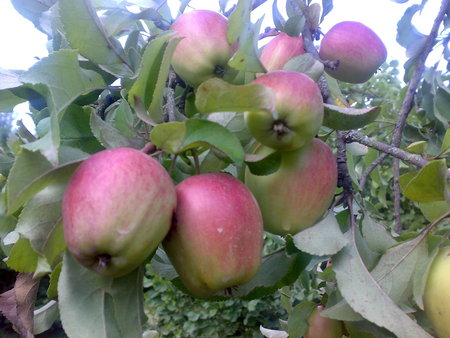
(278, 19)
(366, 297)
(17, 304)
(306, 64)
(7, 225)
(341, 118)
(107, 307)
(263, 164)
(323, 238)
(418, 147)
(45, 316)
(297, 322)
(433, 210)
(428, 185)
(110, 137)
(84, 32)
(446, 142)
(216, 95)
(407, 34)
(33, 10)
(52, 291)
(246, 57)
(9, 79)
(31, 173)
(154, 69)
(177, 137)
(327, 6)
(273, 333)
(394, 272)
(376, 236)
(238, 21)
(59, 92)
(22, 257)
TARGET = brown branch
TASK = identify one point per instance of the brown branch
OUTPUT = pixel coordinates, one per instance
(365, 175)
(408, 103)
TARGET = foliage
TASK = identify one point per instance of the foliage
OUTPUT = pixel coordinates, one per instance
(108, 82)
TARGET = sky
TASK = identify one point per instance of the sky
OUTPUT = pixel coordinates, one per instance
(21, 44)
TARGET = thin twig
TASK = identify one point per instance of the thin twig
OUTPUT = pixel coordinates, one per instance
(409, 102)
(366, 173)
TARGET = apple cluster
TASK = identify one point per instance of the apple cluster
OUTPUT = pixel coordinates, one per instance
(121, 203)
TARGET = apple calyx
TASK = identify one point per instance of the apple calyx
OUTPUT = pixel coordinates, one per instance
(280, 128)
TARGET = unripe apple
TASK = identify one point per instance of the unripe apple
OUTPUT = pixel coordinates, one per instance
(298, 111)
(204, 52)
(117, 208)
(322, 327)
(299, 192)
(216, 239)
(280, 50)
(437, 293)
(358, 49)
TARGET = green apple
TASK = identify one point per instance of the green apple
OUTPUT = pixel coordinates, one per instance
(280, 50)
(358, 49)
(117, 209)
(436, 298)
(216, 239)
(298, 111)
(297, 195)
(322, 327)
(204, 52)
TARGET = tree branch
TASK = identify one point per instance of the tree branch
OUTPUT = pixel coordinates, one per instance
(408, 104)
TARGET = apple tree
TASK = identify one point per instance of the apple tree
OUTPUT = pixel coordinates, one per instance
(192, 140)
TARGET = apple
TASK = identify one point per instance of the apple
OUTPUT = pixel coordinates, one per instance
(358, 49)
(436, 297)
(280, 50)
(298, 111)
(204, 52)
(216, 239)
(117, 208)
(322, 327)
(297, 195)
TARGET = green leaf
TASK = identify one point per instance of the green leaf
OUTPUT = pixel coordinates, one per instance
(22, 257)
(145, 84)
(241, 29)
(407, 33)
(433, 210)
(177, 137)
(446, 142)
(8, 101)
(31, 173)
(33, 10)
(340, 118)
(263, 164)
(324, 238)
(366, 297)
(106, 307)
(85, 32)
(52, 291)
(418, 147)
(45, 316)
(428, 185)
(7, 225)
(110, 137)
(327, 6)
(306, 64)
(40, 221)
(278, 19)
(297, 322)
(59, 92)
(376, 236)
(156, 109)
(394, 272)
(216, 95)
(9, 79)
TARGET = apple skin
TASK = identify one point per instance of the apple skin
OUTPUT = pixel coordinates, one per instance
(205, 47)
(299, 111)
(322, 327)
(216, 239)
(359, 50)
(117, 209)
(437, 293)
(298, 194)
(280, 50)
